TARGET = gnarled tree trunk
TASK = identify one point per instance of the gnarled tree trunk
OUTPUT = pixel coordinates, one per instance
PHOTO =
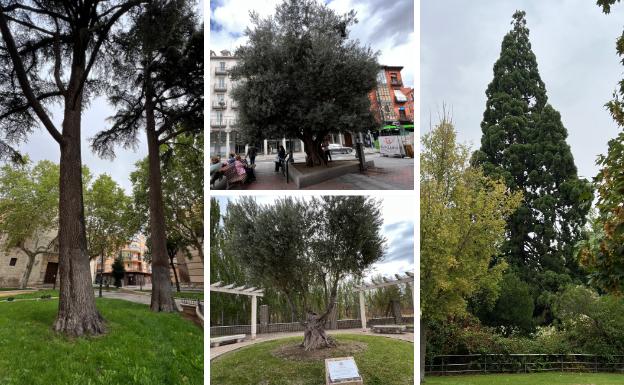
(314, 336)
(29, 266)
(314, 153)
(77, 313)
(162, 299)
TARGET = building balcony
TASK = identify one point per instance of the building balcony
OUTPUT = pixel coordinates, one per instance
(221, 71)
(219, 105)
(220, 87)
(396, 83)
(216, 123)
(234, 105)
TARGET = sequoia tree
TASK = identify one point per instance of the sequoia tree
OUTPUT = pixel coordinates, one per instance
(462, 225)
(49, 54)
(299, 76)
(524, 145)
(158, 87)
(292, 245)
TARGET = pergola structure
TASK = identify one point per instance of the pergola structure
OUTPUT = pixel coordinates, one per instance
(253, 292)
(409, 279)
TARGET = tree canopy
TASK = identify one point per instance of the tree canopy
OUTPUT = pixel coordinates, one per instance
(294, 245)
(524, 145)
(300, 76)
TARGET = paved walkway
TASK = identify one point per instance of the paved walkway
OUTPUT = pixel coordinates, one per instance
(12, 293)
(132, 297)
(219, 350)
(389, 174)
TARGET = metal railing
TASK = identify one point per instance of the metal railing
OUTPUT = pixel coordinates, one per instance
(220, 87)
(522, 363)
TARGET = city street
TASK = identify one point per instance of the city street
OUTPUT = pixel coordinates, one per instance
(389, 173)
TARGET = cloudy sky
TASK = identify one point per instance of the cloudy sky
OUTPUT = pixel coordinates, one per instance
(40, 144)
(387, 26)
(398, 213)
(574, 43)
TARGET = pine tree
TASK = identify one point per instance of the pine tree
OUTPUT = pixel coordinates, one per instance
(524, 144)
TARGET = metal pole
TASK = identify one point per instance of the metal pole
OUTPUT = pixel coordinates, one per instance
(101, 273)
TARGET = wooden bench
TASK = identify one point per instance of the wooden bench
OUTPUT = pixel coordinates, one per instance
(389, 329)
(226, 339)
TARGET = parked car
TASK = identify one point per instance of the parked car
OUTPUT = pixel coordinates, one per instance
(335, 148)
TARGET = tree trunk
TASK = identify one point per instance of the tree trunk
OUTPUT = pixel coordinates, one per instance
(29, 266)
(314, 153)
(162, 299)
(423, 350)
(175, 273)
(314, 336)
(77, 314)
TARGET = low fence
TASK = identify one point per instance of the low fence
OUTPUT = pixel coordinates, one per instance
(522, 363)
(216, 331)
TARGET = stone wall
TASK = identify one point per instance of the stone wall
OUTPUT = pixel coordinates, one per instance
(11, 276)
(216, 331)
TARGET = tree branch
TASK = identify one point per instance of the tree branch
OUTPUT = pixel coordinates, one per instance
(23, 79)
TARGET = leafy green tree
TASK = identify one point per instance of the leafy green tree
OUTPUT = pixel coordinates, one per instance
(109, 218)
(119, 270)
(29, 209)
(158, 87)
(601, 252)
(294, 245)
(462, 226)
(49, 53)
(301, 77)
(524, 145)
(513, 310)
(182, 195)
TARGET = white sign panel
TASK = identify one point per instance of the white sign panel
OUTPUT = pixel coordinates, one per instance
(342, 369)
(390, 145)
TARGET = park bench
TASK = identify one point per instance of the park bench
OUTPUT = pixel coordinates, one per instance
(389, 329)
(226, 339)
(232, 177)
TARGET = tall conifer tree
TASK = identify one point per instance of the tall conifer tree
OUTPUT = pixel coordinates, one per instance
(524, 144)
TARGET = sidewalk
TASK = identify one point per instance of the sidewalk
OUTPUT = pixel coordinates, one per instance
(388, 174)
(219, 350)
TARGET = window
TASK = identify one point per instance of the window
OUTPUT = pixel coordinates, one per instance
(220, 118)
(222, 65)
(381, 77)
(13, 261)
(221, 81)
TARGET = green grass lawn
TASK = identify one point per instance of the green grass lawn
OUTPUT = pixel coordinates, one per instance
(189, 294)
(140, 348)
(33, 294)
(530, 379)
(385, 361)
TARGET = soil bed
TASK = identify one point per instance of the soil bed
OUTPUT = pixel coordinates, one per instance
(295, 352)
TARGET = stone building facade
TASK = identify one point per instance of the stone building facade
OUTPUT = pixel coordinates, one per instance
(44, 272)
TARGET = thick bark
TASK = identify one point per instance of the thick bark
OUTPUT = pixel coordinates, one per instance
(396, 311)
(314, 336)
(77, 313)
(314, 153)
(423, 350)
(162, 299)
